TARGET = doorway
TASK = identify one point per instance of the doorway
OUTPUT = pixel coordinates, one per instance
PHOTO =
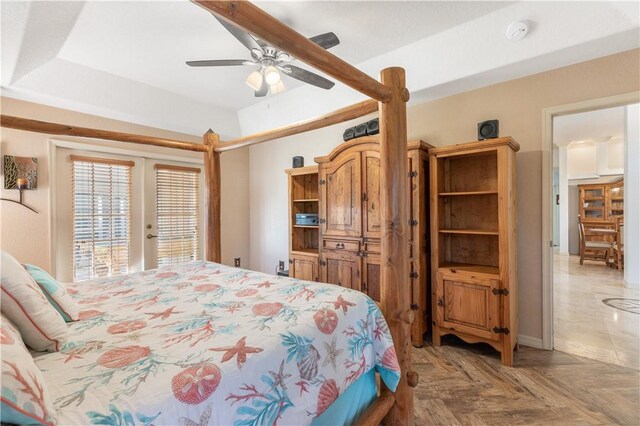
(592, 298)
(116, 213)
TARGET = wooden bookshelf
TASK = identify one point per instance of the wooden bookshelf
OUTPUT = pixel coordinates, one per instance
(303, 239)
(474, 243)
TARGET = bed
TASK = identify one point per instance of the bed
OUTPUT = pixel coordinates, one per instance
(203, 343)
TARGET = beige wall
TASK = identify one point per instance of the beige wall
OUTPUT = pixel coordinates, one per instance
(28, 235)
(518, 104)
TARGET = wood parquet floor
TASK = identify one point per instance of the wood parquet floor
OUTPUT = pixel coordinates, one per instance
(463, 384)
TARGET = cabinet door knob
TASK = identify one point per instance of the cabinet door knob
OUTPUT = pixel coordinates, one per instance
(440, 302)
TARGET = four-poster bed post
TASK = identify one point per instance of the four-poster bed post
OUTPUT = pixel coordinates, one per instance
(212, 207)
(389, 97)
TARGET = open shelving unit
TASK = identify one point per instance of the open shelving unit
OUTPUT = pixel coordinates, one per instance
(303, 239)
(467, 189)
(473, 243)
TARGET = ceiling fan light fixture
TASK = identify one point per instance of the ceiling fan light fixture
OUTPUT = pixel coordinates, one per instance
(272, 75)
(277, 88)
(255, 80)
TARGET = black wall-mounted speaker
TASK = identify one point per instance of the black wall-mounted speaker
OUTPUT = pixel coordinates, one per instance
(298, 161)
(487, 130)
(349, 134)
(361, 130)
(373, 127)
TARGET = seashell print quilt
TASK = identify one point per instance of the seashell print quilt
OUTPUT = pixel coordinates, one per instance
(206, 344)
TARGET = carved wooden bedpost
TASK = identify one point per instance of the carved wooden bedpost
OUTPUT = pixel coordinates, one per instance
(394, 204)
(212, 249)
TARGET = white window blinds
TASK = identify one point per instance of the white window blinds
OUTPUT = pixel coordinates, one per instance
(101, 217)
(177, 213)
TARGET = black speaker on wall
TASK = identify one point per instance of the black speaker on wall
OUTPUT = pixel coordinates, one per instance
(487, 130)
(373, 126)
(349, 134)
(361, 130)
(298, 161)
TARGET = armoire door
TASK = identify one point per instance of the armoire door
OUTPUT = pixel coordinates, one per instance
(469, 304)
(371, 219)
(340, 209)
(342, 270)
(304, 268)
(371, 276)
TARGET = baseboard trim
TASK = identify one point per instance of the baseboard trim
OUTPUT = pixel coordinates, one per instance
(532, 342)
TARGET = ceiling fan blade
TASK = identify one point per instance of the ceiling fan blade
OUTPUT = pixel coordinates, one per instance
(307, 77)
(219, 63)
(245, 38)
(326, 40)
(264, 89)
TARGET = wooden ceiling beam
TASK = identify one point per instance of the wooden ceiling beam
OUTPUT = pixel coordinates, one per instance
(254, 20)
(37, 126)
(339, 116)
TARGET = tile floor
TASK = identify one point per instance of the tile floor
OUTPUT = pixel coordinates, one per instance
(583, 324)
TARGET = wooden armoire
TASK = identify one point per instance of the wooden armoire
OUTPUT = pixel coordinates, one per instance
(473, 243)
(350, 226)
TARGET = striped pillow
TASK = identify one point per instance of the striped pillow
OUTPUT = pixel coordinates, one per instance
(24, 397)
(55, 293)
(41, 326)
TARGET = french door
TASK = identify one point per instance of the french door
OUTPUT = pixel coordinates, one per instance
(110, 219)
(173, 223)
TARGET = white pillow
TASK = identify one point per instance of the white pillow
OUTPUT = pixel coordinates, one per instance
(25, 399)
(55, 293)
(23, 303)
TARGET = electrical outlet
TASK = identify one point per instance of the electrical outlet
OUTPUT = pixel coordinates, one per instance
(236, 262)
(280, 265)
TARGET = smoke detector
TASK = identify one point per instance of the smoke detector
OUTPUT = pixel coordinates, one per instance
(517, 30)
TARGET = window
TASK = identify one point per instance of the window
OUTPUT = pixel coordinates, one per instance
(177, 213)
(101, 217)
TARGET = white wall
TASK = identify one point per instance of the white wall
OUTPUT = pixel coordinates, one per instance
(591, 159)
(19, 227)
(632, 197)
(563, 211)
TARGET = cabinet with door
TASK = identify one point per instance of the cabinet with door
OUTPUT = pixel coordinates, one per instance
(350, 222)
(601, 201)
(473, 228)
(303, 238)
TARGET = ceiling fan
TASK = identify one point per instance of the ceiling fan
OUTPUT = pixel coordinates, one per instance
(271, 62)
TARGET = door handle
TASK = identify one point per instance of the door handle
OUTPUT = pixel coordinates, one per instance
(150, 236)
(440, 302)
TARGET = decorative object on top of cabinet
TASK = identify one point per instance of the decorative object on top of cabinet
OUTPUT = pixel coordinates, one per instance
(488, 130)
(350, 222)
(473, 246)
(303, 238)
(297, 162)
(349, 134)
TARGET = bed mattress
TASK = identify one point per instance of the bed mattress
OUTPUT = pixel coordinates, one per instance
(202, 343)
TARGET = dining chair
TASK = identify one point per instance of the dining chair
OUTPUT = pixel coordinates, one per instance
(618, 245)
(593, 250)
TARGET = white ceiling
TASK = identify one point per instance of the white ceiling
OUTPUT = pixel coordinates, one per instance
(592, 126)
(149, 43)
(125, 60)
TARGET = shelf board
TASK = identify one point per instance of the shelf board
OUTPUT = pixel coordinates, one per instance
(306, 200)
(469, 231)
(306, 252)
(469, 267)
(594, 208)
(306, 226)
(593, 198)
(451, 194)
